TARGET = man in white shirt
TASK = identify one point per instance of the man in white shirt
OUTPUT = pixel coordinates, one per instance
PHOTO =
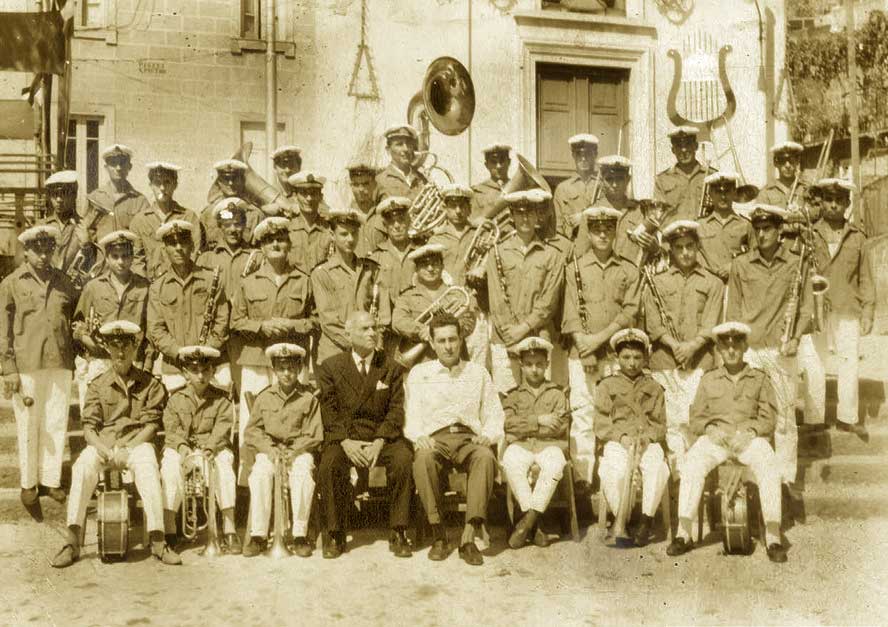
(454, 418)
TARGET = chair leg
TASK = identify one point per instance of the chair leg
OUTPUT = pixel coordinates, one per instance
(602, 514)
(666, 510)
(571, 503)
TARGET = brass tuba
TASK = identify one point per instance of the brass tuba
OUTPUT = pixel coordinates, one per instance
(454, 300)
(527, 177)
(258, 191)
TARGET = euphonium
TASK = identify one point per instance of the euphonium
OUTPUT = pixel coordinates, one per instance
(281, 508)
(486, 235)
(819, 288)
(454, 300)
(194, 504)
(426, 212)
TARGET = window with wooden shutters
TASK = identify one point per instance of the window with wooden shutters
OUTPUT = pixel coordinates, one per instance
(251, 23)
(571, 100)
(85, 135)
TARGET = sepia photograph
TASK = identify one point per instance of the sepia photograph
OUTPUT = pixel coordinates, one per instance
(443, 312)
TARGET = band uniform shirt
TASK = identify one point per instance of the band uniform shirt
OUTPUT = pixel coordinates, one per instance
(358, 406)
(310, 244)
(484, 197)
(338, 290)
(69, 244)
(212, 234)
(722, 241)
(290, 420)
(533, 278)
(693, 302)
(628, 222)
(199, 423)
(392, 182)
(572, 196)
(681, 191)
(610, 294)
(851, 288)
(456, 245)
(372, 232)
(437, 397)
(777, 194)
(523, 406)
(119, 408)
(758, 293)
(415, 300)
(260, 298)
(176, 308)
(232, 262)
(120, 207)
(396, 270)
(148, 250)
(35, 326)
(747, 403)
(100, 296)
(625, 406)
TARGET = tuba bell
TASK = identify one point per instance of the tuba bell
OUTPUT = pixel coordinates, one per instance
(258, 191)
(527, 177)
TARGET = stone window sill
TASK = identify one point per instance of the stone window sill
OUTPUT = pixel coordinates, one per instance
(108, 35)
(240, 46)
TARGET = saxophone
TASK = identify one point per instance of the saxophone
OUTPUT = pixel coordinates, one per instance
(210, 309)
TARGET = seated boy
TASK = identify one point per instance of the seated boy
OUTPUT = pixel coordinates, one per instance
(536, 418)
(285, 420)
(734, 412)
(198, 419)
(630, 408)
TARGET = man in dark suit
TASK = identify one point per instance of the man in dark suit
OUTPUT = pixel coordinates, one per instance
(362, 407)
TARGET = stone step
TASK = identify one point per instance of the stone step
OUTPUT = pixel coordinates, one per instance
(835, 502)
(821, 443)
(846, 470)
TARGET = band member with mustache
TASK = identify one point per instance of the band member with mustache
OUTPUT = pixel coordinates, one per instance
(401, 178)
(487, 192)
(37, 358)
(681, 186)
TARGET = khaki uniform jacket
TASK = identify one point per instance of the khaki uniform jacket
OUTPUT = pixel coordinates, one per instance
(610, 291)
(289, 420)
(522, 407)
(259, 299)
(851, 288)
(176, 309)
(310, 245)
(338, 290)
(750, 403)
(681, 191)
(456, 246)
(35, 323)
(199, 423)
(533, 280)
(69, 244)
(485, 195)
(395, 269)
(372, 232)
(628, 222)
(572, 196)
(693, 303)
(121, 208)
(116, 413)
(392, 182)
(232, 262)
(150, 258)
(100, 296)
(721, 242)
(625, 406)
(758, 293)
(212, 234)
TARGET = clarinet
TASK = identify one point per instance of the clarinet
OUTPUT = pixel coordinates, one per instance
(589, 361)
(210, 309)
(501, 275)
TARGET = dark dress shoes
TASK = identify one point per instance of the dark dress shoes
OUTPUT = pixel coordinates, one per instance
(256, 546)
(233, 544)
(679, 546)
(56, 494)
(776, 553)
(333, 546)
(470, 554)
(399, 545)
(541, 538)
(438, 552)
(643, 532)
(519, 537)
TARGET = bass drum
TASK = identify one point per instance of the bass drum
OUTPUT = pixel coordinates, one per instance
(736, 538)
(112, 519)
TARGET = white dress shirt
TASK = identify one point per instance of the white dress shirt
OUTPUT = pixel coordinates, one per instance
(437, 397)
(363, 362)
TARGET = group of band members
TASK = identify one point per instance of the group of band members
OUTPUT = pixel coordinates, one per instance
(597, 323)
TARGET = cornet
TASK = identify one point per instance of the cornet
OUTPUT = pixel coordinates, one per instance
(454, 300)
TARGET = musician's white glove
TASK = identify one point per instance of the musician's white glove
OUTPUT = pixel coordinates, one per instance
(11, 384)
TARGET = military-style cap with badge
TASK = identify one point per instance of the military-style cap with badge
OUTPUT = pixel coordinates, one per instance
(119, 331)
(680, 133)
(632, 336)
(40, 235)
(231, 208)
(731, 328)
(614, 163)
(404, 131)
(763, 212)
(393, 203)
(583, 139)
(270, 226)
(117, 151)
(361, 167)
(62, 177)
(306, 180)
(601, 214)
(349, 217)
(230, 166)
(455, 191)
(835, 184)
(118, 239)
(680, 228)
(533, 344)
(284, 351)
(288, 153)
(494, 149)
(527, 199)
(175, 227)
(162, 170)
(722, 180)
(427, 250)
(787, 148)
(197, 356)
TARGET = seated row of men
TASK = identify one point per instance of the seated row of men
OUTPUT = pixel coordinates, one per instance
(445, 413)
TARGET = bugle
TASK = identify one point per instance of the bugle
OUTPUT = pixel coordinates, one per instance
(454, 300)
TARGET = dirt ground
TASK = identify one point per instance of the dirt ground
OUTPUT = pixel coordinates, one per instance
(835, 576)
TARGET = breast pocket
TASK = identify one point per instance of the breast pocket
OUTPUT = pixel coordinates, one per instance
(257, 301)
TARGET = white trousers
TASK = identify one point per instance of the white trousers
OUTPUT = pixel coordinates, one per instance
(85, 370)
(654, 475)
(839, 341)
(142, 462)
(783, 373)
(302, 485)
(811, 368)
(173, 477)
(505, 369)
(478, 341)
(174, 381)
(582, 436)
(254, 379)
(680, 388)
(706, 455)
(42, 427)
(517, 462)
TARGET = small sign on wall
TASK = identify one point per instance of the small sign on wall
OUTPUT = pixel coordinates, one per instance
(151, 67)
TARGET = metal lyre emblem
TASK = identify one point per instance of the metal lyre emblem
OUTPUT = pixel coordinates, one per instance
(700, 92)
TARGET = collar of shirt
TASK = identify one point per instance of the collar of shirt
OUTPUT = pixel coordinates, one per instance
(448, 229)
(544, 387)
(513, 242)
(265, 271)
(409, 179)
(491, 184)
(335, 261)
(453, 372)
(299, 223)
(782, 254)
(589, 258)
(210, 395)
(675, 271)
(223, 247)
(172, 275)
(361, 360)
(712, 217)
(127, 190)
(636, 381)
(822, 230)
(387, 246)
(696, 170)
(106, 277)
(26, 271)
(128, 383)
(297, 390)
(175, 209)
(723, 373)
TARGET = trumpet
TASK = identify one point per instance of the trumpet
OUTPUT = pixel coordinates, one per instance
(426, 212)
(281, 508)
(454, 300)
